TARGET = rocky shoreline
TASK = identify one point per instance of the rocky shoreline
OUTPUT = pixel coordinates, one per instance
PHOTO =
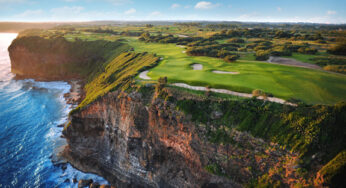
(73, 98)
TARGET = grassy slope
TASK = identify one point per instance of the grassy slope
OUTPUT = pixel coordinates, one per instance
(311, 86)
(118, 73)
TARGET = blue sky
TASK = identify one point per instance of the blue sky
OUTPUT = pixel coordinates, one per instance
(321, 11)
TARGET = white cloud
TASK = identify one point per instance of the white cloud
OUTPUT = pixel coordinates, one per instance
(331, 12)
(187, 6)
(175, 5)
(30, 14)
(279, 9)
(205, 5)
(68, 13)
(131, 11)
(119, 2)
(155, 13)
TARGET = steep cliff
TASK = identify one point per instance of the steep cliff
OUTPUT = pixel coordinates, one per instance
(58, 59)
(167, 138)
(139, 141)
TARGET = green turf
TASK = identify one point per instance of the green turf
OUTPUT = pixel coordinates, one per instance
(286, 82)
(306, 58)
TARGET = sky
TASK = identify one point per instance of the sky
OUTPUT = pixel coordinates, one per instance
(317, 11)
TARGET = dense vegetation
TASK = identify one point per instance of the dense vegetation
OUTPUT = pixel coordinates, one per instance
(317, 131)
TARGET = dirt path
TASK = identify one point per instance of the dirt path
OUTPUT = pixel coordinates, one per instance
(229, 92)
(292, 62)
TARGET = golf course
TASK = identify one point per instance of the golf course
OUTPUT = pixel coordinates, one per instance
(286, 82)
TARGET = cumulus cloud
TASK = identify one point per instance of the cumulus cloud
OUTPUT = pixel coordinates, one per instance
(30, 14)
(155, 13)
(131, 11)
(68, 13)
(205, 5)
(119, 2)
(331, 12)
(175, 5)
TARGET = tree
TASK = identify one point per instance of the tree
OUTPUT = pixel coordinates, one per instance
(236, 40)
(339, 49)
(262, 55)
(231, 58)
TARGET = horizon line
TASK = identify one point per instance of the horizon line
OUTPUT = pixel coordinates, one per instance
(194, 21)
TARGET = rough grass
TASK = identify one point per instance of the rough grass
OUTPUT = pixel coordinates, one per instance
(311, 86)
(119, 73)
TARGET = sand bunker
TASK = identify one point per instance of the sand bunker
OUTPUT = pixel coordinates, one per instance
(143, 75)
(224, 72)
(197, 67)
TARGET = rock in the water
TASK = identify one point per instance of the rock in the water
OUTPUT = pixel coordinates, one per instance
(94, 185)
(105, 186)
(75, 180)
(64, 166)
(84, 183)
(61, 125)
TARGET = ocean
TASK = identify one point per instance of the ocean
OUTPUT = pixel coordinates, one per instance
(30, 113)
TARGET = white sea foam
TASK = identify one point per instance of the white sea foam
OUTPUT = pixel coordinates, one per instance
(58, 89)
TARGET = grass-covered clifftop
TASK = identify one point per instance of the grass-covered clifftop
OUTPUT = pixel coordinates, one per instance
(56, 58)
(118, 74)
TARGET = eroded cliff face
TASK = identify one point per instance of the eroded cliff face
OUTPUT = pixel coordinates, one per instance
(41, 66)
(56, 58)
(134, 141)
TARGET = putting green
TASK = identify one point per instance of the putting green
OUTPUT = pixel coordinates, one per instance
(311, 86)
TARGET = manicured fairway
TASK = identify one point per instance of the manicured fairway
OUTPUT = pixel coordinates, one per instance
(285, 82)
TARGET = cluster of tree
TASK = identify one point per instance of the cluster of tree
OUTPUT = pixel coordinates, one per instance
(313, 37)
(248, 33)
(323, 61)
(223, 51)
(236, 40)
(307, 50)
(339, 49)
(110, 31)
(168, 39)
(264, 49)
(189, 24)
(269, 33)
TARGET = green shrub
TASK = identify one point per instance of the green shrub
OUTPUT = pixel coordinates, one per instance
(333, 173)
(231, 58)
(236, 40)
(262, 55)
